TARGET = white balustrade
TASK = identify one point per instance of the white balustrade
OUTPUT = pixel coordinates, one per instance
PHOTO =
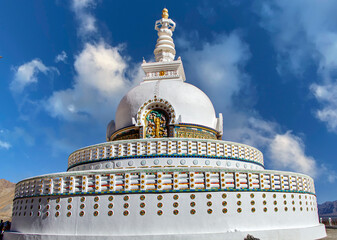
(151, 147)
(102, 181)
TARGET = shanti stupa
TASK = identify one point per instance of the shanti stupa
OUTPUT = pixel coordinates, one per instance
(165, 173)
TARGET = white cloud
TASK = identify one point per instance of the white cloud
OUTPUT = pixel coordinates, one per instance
(250, 128)
(328, 115)
(20, 134)
(103, 75)
(302, 30)
(287, 151)
(219, 68)
(17, 135)
(332, 177)
(99, 83)
(62, 57)
(5, 145)
(305, 34)
(87, 22)
(326, 94)
(328, 172)
(26, 74)
(283, 151)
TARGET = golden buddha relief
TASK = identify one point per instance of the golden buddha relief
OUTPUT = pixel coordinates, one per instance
(156, 124)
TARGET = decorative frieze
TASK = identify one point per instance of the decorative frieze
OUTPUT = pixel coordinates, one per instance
(163, 180)
(162, 147)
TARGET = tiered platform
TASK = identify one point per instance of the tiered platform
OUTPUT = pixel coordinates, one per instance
(165, 152)
(165, 174)
(188, 201)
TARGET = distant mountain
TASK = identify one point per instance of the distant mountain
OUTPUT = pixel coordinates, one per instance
(6, 199)
(327, 209)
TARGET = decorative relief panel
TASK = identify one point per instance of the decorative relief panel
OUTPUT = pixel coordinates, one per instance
(126, 133)
(161, 75)
(185, 132)
(154, 104)
(156, 124)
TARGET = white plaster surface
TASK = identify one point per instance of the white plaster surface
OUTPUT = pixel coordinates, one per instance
(309, 233)
(294, 224)
(188, 101)
(166, 162)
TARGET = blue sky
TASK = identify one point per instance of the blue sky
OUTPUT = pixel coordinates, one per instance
(269, 66)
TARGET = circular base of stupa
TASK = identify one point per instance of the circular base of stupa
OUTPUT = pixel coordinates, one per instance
(308, 233)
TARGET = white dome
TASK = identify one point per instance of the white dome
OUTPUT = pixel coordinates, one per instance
(191, 105)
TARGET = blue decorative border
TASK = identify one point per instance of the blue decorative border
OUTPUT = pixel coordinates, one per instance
(166, 156)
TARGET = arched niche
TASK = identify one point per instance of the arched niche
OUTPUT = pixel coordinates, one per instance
(156, 124)
(155, 107)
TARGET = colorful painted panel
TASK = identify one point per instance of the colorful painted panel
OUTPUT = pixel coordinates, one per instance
(188, 132)
(126, 133)
(156, 124)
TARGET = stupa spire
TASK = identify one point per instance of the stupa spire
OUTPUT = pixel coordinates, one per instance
(165, 48)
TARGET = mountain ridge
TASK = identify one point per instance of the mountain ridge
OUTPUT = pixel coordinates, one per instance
(7, 189)
(328, 209)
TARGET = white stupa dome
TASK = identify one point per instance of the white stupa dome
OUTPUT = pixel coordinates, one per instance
(164, 91)
(191, 105)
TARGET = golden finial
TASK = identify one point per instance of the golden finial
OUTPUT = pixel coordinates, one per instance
(165, 13)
